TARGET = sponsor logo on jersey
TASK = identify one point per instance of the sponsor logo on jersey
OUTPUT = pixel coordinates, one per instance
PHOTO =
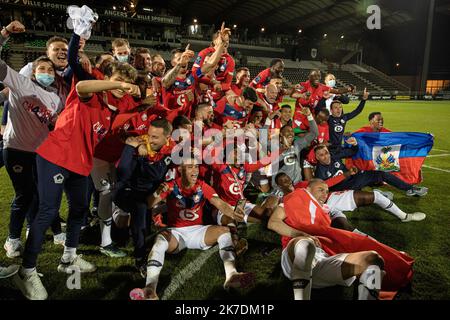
(235, 189)
(338, 128)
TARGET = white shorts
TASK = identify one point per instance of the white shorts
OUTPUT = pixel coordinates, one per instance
(342, 201)
(247, 209)
(326, 270)
(192, 237)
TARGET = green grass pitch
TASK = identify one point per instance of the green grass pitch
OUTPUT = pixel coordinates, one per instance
(427, 241)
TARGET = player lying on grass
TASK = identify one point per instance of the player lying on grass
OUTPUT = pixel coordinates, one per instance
(186, 197)
(315, 255)
(349, 200)
(330, 165)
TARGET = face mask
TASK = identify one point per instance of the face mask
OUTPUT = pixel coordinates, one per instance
(45, 79)
(122, 58)
(332, 83)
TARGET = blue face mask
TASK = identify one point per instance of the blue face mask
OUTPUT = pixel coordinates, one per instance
(332, 83)
(45, 79)
(122, 58)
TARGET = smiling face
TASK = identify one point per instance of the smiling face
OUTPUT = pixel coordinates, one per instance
(271, 93)
(243, 78)
(284, 182)
(287, 136)
(314, 78)
(118, 77)
(189, 172)
(57, 52)
(336, 109)
(286, 114)
(377, 122)
(156, 137)
(323, 156)
(147, 61)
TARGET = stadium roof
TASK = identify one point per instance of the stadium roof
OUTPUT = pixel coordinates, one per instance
(289, 15)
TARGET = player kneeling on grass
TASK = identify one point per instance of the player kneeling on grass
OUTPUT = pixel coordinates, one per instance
(186, 197)
(307, 265)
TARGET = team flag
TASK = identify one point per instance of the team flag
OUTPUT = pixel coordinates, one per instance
(400, 153)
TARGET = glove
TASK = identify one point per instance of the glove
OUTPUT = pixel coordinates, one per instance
(81, 20)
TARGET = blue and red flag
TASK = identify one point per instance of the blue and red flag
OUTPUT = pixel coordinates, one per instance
(400, 153)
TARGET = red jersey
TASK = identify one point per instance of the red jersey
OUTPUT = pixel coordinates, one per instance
(185, 206)
(262, 79)
(79, 129)
(238, 91)
(304, 213)
(230, 180)
(224, 111)
(316, 94)
(369, 129)
(176, 98)
(299, 120)
(225, 70)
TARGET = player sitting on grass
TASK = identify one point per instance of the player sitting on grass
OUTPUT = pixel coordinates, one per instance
(317, 255)
(186, 197)
(330, 165)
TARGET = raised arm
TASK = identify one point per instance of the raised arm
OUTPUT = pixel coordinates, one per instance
(169, 78)
(313, 131)
(360, 107)
(85, 89)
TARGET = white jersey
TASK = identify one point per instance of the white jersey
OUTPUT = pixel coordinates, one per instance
(31, 110)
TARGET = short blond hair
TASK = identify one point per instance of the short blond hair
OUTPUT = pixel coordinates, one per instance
(119, 42)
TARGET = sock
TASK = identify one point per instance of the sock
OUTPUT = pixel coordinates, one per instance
(69, 254)
(301, 273)
(388, 205)
(367, 288)
(155, 261)
(227, 254)
(105, 230)
(26, 271)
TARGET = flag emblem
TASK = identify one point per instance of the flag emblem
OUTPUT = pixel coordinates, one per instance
(386, 158)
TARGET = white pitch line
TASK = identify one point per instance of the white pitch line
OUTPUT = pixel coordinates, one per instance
(438, 155)
(439, 150)
(193, 267)
(439, 169)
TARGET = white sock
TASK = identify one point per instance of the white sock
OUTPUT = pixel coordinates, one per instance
(69, 254)
(105, 230)
(301, 273)
(367, 283)
(388, 205)
(155, 261)
(227, 254)
(27, 271)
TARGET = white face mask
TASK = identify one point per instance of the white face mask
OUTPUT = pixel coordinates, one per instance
(122, 58)
(331, 83)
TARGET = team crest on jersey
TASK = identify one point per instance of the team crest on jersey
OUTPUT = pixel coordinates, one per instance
(17, 168)
(386, 158)
(126, 126)
(144, 117)
(188, 81)
(198, 60)
(177, 83)
(342, 121)
(337, 164)
(58, 178)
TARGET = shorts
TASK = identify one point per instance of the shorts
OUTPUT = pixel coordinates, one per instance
(247, 209)
(326, 270)
(192, 237)
(342, 201)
